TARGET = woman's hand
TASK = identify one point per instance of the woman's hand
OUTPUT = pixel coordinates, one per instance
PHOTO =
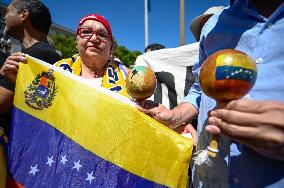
(158, 112)
(174, 118)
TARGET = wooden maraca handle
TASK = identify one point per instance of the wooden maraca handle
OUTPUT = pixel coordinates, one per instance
(213, 146)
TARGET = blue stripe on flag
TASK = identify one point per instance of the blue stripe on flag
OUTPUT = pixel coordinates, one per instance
(41, 156)
(235, 73)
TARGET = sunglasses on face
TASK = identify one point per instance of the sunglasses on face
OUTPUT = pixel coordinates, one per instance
(87, 33)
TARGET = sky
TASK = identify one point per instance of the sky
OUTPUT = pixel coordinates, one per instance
(126, 18)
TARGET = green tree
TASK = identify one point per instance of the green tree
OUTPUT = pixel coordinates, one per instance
(126, 56)
(65, 44)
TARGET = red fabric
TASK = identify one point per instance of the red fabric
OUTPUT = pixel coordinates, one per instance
(43, 81)
(98, 18)
(10, 183)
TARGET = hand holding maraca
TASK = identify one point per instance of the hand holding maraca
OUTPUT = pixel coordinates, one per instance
(257, 124)
(226, 75)
(140, 85)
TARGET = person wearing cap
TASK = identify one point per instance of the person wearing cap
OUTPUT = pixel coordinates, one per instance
(251, 131)
(95, 61)
(251, 153)
(197, 23)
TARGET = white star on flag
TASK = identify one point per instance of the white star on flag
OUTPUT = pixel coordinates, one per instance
(50, 161)
(33, 170)
(63, 159)
(90, 177)
(77, 165)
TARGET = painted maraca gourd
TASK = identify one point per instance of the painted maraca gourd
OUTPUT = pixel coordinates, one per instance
(140, 83)
(227, 75)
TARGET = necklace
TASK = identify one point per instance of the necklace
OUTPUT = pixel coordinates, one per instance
(95, 74)
(92, 72)
(98, 74)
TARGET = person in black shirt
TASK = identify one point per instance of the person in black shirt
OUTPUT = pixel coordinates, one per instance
(28, 21)
(4, 116)
(3, 57)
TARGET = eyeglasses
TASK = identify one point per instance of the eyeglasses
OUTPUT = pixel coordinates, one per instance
(87, 33)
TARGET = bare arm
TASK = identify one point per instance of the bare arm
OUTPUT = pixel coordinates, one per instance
(174, 118)
(6, 100)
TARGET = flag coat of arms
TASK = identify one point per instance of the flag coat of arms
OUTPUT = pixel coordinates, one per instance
(69, 133)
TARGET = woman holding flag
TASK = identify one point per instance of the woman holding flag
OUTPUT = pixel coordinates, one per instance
(94, 62)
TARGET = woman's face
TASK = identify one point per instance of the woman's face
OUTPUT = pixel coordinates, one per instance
(94, 43)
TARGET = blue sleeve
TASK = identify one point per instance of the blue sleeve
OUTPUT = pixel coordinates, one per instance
(194, 95)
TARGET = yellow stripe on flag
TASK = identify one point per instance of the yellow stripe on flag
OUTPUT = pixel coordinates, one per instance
(238, 59)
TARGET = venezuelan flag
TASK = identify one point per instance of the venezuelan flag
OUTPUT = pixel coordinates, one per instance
(68, 133)
(235, 73)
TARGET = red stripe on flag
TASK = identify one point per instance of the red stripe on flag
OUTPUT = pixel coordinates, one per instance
(10, 183)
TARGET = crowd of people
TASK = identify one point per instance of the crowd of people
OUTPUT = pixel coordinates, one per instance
(251, 130)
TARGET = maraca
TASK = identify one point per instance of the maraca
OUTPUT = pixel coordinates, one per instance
(224, 76)
(140, 83)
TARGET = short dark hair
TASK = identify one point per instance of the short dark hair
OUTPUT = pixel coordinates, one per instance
(39, 13)
(154, 46)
